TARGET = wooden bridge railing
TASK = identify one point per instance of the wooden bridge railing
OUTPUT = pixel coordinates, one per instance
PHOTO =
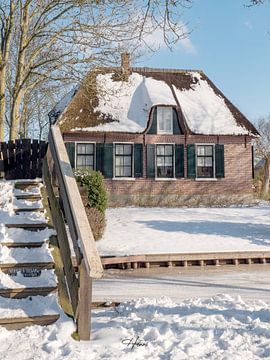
(68, 210)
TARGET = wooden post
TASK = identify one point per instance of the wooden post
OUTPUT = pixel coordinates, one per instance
(84, 305)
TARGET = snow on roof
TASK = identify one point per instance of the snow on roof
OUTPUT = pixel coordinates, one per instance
(129, 102)
(205, 111)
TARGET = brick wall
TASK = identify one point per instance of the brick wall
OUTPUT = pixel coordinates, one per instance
(237, 157)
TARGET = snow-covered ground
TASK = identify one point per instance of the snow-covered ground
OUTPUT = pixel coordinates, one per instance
(212, 326)
(133, 231)
(221, 327)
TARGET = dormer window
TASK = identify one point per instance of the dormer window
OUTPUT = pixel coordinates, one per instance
(164, 120)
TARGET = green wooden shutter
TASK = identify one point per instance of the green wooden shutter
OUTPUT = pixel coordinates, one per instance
(138, 160)
(104, 159)
(219, 160)
(99, 157)
(179, 160)
(191, 161)
(153, 127)
(176, 128)
(70, 147)
(151, 161)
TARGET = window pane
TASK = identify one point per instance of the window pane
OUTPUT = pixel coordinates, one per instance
(119, 161)
(81, 149)
(208, 150)
(168, 161)
(200, 150)
(127, 160)
(118, 171)
(119, 149)
(89, 161)
(80, 160)
(127, 171)
(208, 161)
(160, 150)
(89, 148)
(127, 149)
(160, 161)
(200, 161)
(168, 150)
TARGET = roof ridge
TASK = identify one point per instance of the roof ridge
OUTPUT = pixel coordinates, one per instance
(165, 70)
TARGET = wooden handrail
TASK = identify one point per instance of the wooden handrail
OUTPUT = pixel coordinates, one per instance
(68, 209)
(78, 223)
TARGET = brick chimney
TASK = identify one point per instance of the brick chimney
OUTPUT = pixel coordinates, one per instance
(125, 66)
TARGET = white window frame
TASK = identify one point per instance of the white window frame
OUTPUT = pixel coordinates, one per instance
(159, 131)
(132, 165)
(214, 162)
(165, 178)
(85, 142)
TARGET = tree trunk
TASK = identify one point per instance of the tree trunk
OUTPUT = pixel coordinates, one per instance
(18, 92)
(15, 116)
(266, 178)
(2, 104)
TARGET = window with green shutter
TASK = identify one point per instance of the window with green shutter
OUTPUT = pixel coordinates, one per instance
(123, 160)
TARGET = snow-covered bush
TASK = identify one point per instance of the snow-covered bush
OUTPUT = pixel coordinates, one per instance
(96, 203)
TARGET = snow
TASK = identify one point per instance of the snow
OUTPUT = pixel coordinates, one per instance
(47, 278)
(31, 306)
(17, 235)
(27, 204)
(219, 327)
(205, 111)
(129, 102)
(185, 230)
(25, 255)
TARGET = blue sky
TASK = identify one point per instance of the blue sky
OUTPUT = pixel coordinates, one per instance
(231, 44)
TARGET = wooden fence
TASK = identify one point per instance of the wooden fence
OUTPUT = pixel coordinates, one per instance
(67, 209)
(22, 158)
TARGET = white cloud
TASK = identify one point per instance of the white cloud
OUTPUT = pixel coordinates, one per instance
(156, 40)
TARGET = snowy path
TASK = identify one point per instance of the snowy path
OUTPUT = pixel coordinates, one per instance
(134, 231)
(249, 282)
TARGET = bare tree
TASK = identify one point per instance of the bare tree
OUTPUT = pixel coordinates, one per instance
(59, 40)
(262, 149)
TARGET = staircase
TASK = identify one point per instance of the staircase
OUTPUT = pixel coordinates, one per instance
(28, 285)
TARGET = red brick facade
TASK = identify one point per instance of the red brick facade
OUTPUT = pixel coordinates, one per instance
(237, 166)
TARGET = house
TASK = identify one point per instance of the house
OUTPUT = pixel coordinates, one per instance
(159, 136)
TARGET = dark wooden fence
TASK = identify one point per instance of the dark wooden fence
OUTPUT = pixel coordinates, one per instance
(22, 158)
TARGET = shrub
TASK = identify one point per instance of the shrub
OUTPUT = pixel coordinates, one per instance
(96, 192)
(96, 203)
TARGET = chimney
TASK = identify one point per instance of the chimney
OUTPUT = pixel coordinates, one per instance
(125, 64)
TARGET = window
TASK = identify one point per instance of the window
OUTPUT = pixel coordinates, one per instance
(123, 160)
(205, 161)
(85, 156)
(164, 161)
(164, 120)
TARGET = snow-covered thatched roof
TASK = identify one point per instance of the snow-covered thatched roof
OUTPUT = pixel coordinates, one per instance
(123, 104)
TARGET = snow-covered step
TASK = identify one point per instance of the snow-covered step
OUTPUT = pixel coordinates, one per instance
(25, 204)
(27, 282)
(28, 196)
(16, 237)
(37, 310)
(26, 257)
(30, 226)
(27, 182)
